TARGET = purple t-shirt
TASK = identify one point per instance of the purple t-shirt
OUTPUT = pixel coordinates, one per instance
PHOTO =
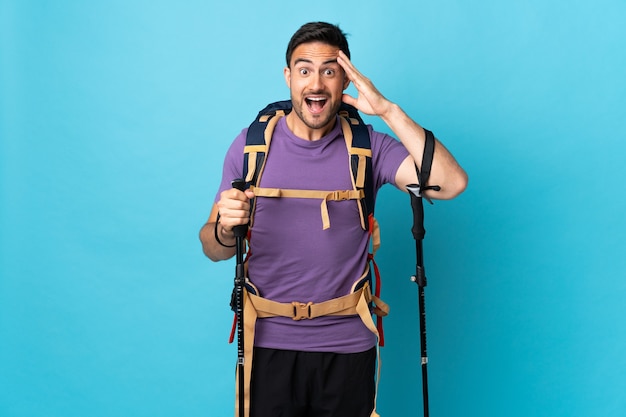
(291, 257)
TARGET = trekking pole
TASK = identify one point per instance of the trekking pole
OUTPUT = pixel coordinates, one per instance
(240, 234)
(420, 279)
(415, 192)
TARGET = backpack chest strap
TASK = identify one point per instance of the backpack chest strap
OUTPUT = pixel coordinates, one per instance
(325, 196)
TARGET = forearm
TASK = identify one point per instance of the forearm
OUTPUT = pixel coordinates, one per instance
(445, 171)
(211, 247)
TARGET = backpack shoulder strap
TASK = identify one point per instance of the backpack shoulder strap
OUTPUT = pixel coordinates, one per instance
(357, 139)
(359, 147)
(258, 139)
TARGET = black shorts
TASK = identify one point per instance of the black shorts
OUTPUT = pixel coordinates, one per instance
(289, 383)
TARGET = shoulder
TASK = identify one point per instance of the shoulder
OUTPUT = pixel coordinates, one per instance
(382, 142)
(233, 160)
(387, 155)
(238, 144)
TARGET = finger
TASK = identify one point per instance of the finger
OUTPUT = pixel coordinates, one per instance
(351, 69)
(344, 58)
(228, 223)
(234, 194)
(233, 203)
(231, 216)
(348, 99)
(346, 64)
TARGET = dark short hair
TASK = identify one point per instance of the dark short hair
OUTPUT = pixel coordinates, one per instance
(318, 32)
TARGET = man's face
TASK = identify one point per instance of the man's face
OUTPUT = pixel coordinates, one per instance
(317, 83)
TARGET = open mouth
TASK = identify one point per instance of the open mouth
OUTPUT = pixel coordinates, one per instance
(316, 104)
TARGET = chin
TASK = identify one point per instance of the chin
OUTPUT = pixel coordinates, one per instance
(322, 122)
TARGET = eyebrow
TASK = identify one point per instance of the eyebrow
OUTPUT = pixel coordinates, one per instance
(308, 61)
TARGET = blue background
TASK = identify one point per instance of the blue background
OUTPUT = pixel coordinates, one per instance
(114, 119)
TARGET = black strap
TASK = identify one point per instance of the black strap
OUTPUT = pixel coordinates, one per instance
(427, 163)
(417, 190)
(427, 158)
(217, 222)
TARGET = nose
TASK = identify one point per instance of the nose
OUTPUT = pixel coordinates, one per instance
(316, 81)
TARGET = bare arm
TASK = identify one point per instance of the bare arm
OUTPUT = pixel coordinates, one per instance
(445, 171)
(234, 208)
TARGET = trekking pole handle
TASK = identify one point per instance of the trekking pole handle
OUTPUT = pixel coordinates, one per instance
(415, 193)
(241, 230)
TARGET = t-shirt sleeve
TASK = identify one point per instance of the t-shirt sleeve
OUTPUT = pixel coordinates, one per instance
(233, 164)
(387, 155)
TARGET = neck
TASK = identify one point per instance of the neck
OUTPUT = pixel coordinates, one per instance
(303, 131)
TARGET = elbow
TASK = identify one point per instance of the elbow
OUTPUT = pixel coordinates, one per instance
(454, 186)
(213, 254)
(461, 183)
(209, 254)
(205, 237)
(210, 247)
(213, 258)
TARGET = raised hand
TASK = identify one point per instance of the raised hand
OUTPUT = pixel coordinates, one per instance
(369, 100)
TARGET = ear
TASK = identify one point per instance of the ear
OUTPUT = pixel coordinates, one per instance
(346, 81)
(287, 74)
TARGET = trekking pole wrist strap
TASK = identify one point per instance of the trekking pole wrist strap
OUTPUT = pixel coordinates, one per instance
(427, 158)
(423, 175)
(216, 233)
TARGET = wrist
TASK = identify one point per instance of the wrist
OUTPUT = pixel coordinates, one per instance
(390, 112)
(225, 235)
(222, 238)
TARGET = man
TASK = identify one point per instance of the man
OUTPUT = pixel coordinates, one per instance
(324, 366)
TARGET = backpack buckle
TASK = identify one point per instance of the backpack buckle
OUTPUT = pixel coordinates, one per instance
(341, 195)
(301, 310)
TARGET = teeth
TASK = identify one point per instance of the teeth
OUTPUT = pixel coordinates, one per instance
(316, 98)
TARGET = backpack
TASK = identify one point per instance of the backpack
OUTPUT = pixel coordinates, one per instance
(357, 138)
(361, 301)
(356, 134)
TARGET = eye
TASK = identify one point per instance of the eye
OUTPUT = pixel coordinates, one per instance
(303, 71)
(329, 72)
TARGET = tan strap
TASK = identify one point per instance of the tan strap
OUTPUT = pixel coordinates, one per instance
(347, 134)
(356, 193)
(342, 306)
(325, 196)
(356, 303)
(253, 150)
(362, 153)
(249, 324)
